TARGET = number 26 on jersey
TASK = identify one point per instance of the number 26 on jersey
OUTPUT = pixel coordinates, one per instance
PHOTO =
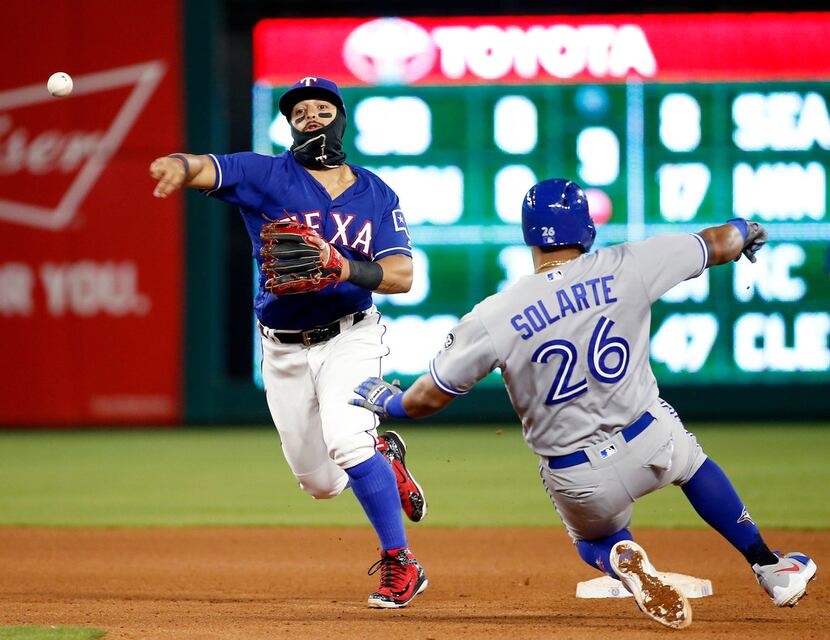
(607, 362)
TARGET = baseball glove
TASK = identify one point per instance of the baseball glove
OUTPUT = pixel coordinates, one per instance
(296, 259)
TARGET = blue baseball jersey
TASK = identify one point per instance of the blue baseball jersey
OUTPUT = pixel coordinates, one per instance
(365, 222)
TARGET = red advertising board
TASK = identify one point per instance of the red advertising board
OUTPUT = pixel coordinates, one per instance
(90, 263)
(534, 49)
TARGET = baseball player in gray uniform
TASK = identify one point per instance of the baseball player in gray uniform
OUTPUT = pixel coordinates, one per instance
(572, 344)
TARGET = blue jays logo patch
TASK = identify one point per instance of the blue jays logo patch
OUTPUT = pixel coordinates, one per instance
(745, 518)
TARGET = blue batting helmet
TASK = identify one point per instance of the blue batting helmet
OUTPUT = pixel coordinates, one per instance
(309, 88)
(555, 213)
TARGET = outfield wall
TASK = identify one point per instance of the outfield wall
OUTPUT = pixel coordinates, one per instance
(118, 308)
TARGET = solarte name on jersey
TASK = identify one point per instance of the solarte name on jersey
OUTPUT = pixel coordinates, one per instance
(572, 299)
(365, 222)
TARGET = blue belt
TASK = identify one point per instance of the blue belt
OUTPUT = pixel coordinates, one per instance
(578, 457)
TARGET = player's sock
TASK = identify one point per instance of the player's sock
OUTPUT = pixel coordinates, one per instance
(597, 552)
(716, 501)
(375, 488)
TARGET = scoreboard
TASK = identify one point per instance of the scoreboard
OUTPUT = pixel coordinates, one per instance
(671, 123)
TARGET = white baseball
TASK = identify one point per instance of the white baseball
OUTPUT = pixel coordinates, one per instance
(59, 84)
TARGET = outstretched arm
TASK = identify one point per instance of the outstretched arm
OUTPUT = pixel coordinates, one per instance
(728, 241)
(181, 170)
(388, 400)
(468, 355)
(423, 398)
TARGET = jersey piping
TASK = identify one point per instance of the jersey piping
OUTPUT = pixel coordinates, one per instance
(405, 249)
(705, 248)
(441, 385)
(218, 183)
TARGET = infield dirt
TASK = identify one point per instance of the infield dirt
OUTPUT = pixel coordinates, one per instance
(254, 583)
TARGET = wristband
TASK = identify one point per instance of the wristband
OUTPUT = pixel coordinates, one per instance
(183, 158)
(740, 225)
(395, 408)
(364, 274)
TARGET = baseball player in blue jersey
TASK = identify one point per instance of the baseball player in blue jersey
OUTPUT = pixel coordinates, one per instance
(339, 235)
(572, 343)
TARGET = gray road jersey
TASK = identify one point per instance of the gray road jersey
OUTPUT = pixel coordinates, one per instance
(572, 343)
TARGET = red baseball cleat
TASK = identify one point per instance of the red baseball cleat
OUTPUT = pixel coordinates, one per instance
(401, 579)
(413, 501)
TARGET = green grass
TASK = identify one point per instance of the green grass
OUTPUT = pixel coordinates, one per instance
(474, 476)
(50, 633)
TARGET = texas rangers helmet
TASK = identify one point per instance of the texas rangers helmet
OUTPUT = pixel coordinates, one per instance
(311, 87)
(555, 213)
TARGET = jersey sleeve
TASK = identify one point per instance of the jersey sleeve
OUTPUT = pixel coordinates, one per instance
(667, 260)
(241, 178)
(392, 235)
(467, 356)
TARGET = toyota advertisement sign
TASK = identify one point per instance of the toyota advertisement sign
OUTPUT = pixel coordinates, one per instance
(540, 49)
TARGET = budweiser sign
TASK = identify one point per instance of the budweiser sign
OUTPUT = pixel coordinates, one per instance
(39, 138)
(90, 263)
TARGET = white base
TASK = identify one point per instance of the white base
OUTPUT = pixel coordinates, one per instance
(607, 587)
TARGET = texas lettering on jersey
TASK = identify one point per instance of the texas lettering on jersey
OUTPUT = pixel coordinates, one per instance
(364, 222)
(346, 233)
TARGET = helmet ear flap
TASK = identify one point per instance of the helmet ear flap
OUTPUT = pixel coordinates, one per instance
(555, 213)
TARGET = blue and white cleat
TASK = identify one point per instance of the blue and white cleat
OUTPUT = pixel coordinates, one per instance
(786, 580)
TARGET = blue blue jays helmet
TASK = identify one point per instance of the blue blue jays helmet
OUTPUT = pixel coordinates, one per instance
(309, 88)
(555, 213)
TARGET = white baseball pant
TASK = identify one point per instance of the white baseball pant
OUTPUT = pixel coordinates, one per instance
(308, 389)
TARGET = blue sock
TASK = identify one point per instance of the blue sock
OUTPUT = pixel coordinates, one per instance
(376, 489)
(597, 552)
(716, 501)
